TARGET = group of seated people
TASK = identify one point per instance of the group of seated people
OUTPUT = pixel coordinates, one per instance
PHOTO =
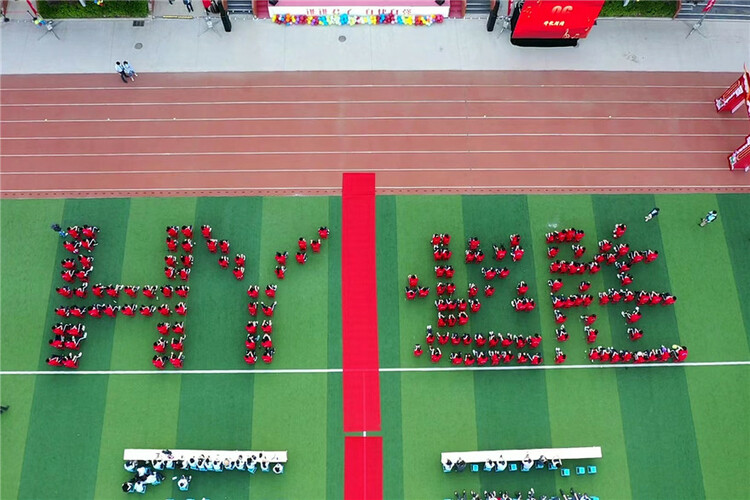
(641, 297)
(499, 464)
(530, 495)
(148, 472)
(662, 354)
(492, 339)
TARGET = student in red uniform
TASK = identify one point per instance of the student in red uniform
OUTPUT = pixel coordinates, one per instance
(301, 257)
(206, 231)
(170, 273)
(632, 317)
(171, 244)
(224, 246)
(163, 328)
(522, 288)
(95, 311)
(591, 334)
(251, 327)
(435, 354)
(280, 271)
(560, 318)
(181, 308)
(443, 338)
(179, 328)
(489, 273)
(417, 350)
(411, 294)
(252, 308)
(164, 310)
(679, 353)
(268, 310)
(182, 291)
(499, 252)
(250, 357)
(588, 319)
(668, 299)
(58, 342)
(224, 262)
(555, 285)
(147, 310)
(71, 361)
(160, 345)
(111, 310)
(268, 355)
(187, 260)
(173, 231)
(619, 231)
(253, 291)
(187, 231)
(131, 291)
(534, 341)
(239, 273)
(562, 334)
(62, 311)
(129, 309)
(560, 356)
(315, 245)
(503, 273)
(64, 291)
(177, 361)
(517, 253)
(423, 291)
(185, 273)
(302, 244)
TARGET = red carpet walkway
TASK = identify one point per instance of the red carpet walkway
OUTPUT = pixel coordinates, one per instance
(359, 305)
(363, 468)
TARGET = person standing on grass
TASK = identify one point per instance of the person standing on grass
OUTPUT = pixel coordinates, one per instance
(121, 70)
(56, 228)
(653, 213)
(709, 218)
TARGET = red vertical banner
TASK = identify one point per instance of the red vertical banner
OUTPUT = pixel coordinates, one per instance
(740, 159)
(735, 95)
(557, 18)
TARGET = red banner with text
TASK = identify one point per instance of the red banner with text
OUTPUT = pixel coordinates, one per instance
(557, 19)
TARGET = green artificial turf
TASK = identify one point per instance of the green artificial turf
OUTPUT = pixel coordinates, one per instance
(654, 424)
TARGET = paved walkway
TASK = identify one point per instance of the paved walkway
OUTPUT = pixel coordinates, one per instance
(179, 45)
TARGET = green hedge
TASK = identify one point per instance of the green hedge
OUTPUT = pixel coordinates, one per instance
(643, 8)
(51, 9)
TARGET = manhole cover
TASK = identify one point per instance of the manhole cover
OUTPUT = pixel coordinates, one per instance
(139, 45)
(342, 38)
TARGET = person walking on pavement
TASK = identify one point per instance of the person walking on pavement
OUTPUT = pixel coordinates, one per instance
(188, 5)
(709, 218)
(128, 70)
(121, 70)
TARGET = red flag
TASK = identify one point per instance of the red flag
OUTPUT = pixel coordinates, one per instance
(709, 5)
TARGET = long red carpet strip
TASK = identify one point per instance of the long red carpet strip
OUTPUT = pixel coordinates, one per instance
(361, 378)
(363, 468)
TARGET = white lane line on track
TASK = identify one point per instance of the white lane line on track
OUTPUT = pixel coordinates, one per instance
(502, 188)
(338, 102)
(357, 152)
(369, 85)
(337, 118)
(382, 370)
(376, 170)
(293, 136)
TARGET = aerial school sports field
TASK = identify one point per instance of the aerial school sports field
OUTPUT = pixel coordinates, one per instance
(666, 430)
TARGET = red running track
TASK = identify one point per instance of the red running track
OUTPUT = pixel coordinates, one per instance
(363, 468)
(359, 309)
(421, 132)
